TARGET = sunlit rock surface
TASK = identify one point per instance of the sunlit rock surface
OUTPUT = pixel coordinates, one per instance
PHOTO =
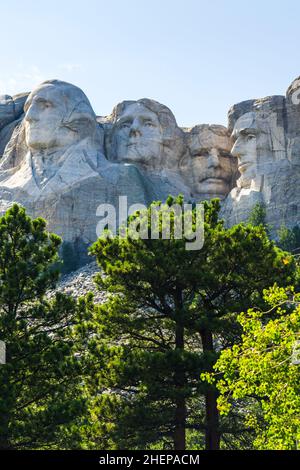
(61, 161)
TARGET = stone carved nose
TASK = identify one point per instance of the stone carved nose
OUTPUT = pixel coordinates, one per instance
(135, 129)
(31, 115)
(213, 160)
(235, 151)
(134, 132)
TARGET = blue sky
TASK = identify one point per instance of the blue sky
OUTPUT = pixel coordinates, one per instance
(197, 57)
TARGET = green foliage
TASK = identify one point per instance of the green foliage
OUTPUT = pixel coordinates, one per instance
(289, 239)
(258, 216)
(41, 397)
(170, 313)
(264, 366)
(296, 232)
(125, 374)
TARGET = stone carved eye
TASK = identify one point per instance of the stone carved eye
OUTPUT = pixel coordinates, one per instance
(149, 124)
(250, 137)
(43, 104)
(223, 153)
(125, 125)
(201, 153)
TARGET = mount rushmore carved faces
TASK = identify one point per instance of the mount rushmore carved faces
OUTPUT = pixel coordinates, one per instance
(213, 167)
(53, 163)
(145, 132)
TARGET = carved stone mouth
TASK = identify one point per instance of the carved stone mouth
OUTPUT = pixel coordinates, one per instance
(132, 144)
(212, 180)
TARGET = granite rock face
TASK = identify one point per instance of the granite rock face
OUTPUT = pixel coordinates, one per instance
(11, 113)
(54, 165)
(62, 162)
(212, 168)
(267, 147)
(145, 133)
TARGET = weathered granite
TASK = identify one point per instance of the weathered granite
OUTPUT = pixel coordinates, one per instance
(11, 113)
(145, 133)
(261, 150)
(61, 161)
(61, 144)
(293, 121)
(213, 169)
(55, 166)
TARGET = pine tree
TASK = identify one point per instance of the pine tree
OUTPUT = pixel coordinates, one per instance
(258, 216)
(170, 313)
(40, 383)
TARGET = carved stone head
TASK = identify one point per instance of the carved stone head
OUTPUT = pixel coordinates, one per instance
(57, 115)
(293, 121)
(259, 138)
(145, 132)
(213, 168)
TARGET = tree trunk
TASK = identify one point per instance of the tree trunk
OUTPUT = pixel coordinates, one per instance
(212, 434)
(5, 444)
(4, 433)
(5, 438)
(180, 413)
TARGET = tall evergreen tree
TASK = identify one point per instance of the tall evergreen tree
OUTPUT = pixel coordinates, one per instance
(40, 383)
(170, 313)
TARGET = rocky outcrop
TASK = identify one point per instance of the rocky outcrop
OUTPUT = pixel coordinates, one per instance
(11, 113)
(80, 283)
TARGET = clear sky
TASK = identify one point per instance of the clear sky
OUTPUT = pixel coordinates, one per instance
(197, 57)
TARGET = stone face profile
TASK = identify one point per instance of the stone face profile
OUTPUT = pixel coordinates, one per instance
(261, 144)
(259, 139)
(213, 168)
(61, 161)
(145, 133)
(293, 121)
